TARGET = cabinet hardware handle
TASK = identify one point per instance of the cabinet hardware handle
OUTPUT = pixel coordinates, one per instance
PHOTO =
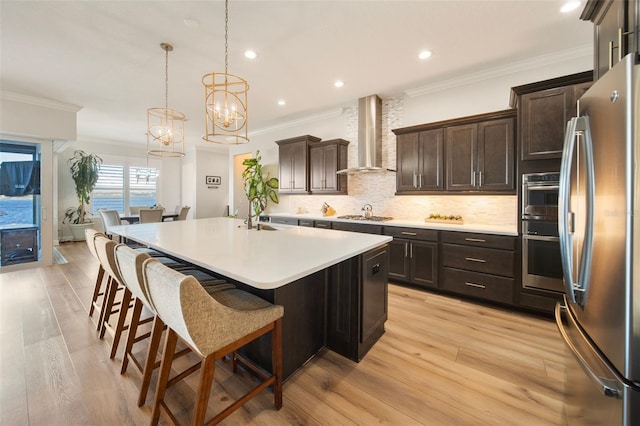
(406, 249)
(409, 233)
(411, 251)
(475, 285)
(473, 259)
(473, 179)
(610, 54)
(479, 179)
(415, 180)
(619, 44)
(420, 181)
(476, 240)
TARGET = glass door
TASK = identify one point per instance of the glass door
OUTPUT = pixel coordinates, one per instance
(23, 204)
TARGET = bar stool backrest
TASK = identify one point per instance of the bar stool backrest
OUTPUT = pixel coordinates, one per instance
(90, 236)
(129, 262)
(105, 248)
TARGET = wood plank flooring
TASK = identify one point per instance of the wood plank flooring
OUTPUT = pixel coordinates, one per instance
(442, 361)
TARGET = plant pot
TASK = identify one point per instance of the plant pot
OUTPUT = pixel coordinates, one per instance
(77, 230)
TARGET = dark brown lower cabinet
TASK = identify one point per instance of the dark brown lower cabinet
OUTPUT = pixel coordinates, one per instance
(413, 256)
(356, 313)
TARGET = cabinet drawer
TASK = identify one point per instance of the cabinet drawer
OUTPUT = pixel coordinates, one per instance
(485, 286)
(490, 261)
(284, 220)
(411, 233)
(358, 227)
(326, 224)
(306, 222)
(480, 240)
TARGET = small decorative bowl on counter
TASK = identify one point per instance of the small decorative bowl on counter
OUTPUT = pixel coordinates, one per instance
(439, 218)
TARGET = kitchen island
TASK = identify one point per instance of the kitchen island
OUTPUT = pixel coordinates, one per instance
(332, 284)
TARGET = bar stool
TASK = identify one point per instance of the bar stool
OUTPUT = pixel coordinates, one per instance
(90, 235)
(129, 262)
(213, 326)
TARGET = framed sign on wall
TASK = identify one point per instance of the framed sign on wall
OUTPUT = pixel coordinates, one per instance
(213, 180)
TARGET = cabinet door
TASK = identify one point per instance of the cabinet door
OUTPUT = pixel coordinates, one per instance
(330, 160)
(299, 167)
(316, 162)
(461, 157)
(495, 155)
(407, 162)
(424, 263)
(431, 176)
(610, 21)
(374, 295)
(286, 172)
(398, 259)
(543, 118)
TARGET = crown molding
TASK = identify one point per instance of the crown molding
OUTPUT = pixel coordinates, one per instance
(41, 102)
(336, 112)
(582, 51)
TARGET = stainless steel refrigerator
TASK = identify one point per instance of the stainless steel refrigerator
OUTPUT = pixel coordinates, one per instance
(599, 227)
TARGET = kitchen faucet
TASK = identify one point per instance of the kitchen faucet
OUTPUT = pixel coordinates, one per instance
(367, 210)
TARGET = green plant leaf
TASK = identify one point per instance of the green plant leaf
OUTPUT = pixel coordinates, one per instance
(273, 183)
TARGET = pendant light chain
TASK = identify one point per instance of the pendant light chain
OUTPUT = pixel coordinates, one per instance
(166, 78)
(226, 37)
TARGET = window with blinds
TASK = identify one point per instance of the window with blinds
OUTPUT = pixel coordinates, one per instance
(122, 186)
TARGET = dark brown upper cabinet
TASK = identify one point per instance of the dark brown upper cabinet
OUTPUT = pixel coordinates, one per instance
(294, 164)
(474, 154)
(419, 161)
(615, 31)
(327, 157)
(480, 156)
(543, 111)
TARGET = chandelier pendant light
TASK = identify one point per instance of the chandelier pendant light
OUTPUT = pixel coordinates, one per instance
(165, 126)
(225, 100)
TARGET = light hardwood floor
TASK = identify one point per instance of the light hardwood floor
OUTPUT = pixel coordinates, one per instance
(442, 361)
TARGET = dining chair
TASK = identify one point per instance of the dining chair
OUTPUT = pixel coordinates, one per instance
(150, 215)
(182, 215)
(110, 218)
(213, 326)
(136, 209)
(129, 262)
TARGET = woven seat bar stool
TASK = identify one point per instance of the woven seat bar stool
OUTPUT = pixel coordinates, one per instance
(129, 263)
(213, 326)
(98, 291)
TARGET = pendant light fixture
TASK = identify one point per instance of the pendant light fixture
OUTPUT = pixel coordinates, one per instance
(165, 126)
(225, 100)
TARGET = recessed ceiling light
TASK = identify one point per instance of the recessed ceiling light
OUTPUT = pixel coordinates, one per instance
(191, 22)
(424, 54)
(570, 6)
(338, 83)
(250, 54)
(281, 102)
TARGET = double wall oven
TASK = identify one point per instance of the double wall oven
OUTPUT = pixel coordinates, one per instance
(541, 261)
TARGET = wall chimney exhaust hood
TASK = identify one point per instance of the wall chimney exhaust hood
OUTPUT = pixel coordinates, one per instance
(369, 137)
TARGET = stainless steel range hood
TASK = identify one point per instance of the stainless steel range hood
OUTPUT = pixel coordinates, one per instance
(369, 136)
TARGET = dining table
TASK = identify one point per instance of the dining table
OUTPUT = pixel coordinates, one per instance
(135, 218)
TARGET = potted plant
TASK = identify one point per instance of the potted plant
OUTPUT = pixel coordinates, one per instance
(260, 189)
(84, 170)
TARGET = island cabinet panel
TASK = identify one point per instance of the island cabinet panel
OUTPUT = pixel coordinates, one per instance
(294, 164)
(326, 158)
(413, 256)
(420, 161)
(357, 303)
(479, 265)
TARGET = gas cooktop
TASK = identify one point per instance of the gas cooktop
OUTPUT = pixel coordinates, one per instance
(360, 217)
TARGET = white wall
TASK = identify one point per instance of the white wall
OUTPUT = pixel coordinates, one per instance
(212, 200)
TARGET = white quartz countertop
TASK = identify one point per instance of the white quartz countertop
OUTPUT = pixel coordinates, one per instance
(497, 229)
(262, 259)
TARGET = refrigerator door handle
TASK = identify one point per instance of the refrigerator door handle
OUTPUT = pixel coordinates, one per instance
(608, 386)
(587, 247)
(564, 189)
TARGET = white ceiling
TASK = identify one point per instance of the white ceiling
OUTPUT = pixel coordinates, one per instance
(105, 55)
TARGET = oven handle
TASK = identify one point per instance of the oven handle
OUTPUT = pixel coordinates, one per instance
(538, 187)
(540, 238)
